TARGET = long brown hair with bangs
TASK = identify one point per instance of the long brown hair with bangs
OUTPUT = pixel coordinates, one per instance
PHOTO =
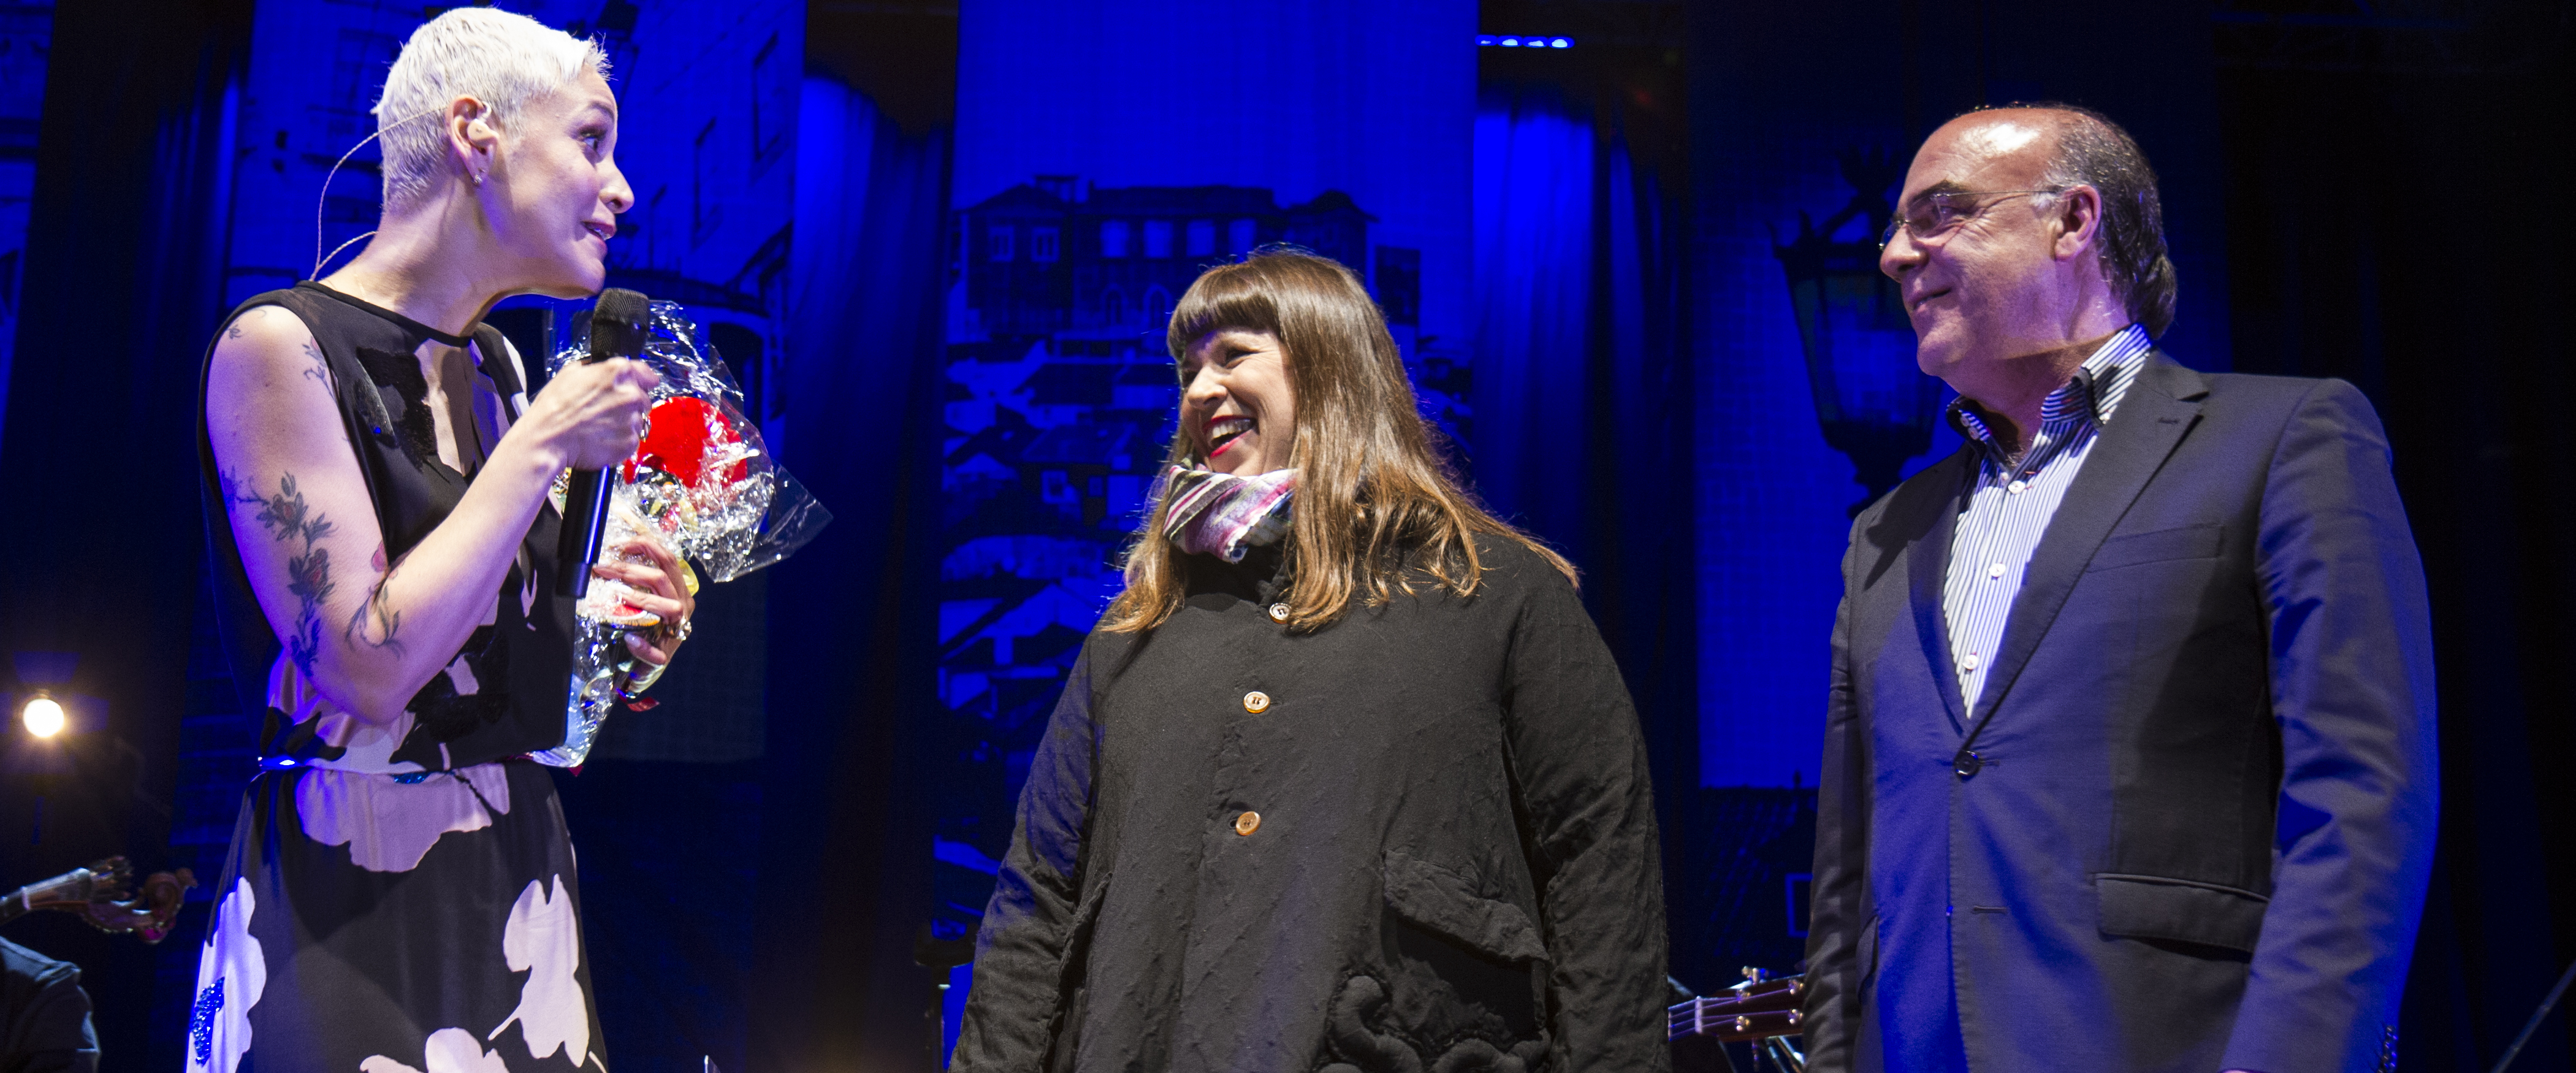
(1373, 498)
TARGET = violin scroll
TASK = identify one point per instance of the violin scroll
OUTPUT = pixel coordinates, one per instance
(102, 894)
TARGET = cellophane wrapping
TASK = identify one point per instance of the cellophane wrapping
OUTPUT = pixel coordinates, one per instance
(704, 481)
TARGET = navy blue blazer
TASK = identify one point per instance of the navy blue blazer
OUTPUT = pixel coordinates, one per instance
(2203, 823)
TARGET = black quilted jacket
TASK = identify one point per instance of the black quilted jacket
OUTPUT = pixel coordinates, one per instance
(1418, 839)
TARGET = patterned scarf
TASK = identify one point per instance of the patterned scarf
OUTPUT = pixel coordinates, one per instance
(1223, 515)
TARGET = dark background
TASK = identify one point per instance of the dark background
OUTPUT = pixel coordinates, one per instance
(2370, 191)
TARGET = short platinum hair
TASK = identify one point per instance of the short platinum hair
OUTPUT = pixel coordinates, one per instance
(503, 59)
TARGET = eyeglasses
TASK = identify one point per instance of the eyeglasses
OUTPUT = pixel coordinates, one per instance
(1935, 216)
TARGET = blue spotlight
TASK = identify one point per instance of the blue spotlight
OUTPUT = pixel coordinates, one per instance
(1560, 42)
(1486, 40)
(1511, 42)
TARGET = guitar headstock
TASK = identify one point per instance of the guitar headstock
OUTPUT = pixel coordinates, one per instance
(1759, 1008)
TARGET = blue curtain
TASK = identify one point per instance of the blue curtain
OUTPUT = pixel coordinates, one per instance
(1534, 233)
(1581, 422)
(851, 616)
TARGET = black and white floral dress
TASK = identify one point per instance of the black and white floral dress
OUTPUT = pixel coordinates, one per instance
(397, 898)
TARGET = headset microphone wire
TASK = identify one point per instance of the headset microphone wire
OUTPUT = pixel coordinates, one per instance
(324, 198)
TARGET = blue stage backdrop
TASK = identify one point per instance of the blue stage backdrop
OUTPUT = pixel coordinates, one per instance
(936, 243)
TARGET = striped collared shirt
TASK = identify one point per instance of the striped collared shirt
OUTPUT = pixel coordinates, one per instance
(2009, 508)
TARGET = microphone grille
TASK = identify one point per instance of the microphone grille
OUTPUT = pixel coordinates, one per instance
(623, 306)
(617, 324)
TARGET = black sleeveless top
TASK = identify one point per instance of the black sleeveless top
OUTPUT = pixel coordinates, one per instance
(521, 663)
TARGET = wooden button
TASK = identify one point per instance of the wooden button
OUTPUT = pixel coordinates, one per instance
(1247, 823)
(1256, 702)
(1279, 612)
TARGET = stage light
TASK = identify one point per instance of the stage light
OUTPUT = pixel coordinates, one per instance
(1492, 41)
(43, 716)
(1511, 42)
(1872, 402)
(1560, 42)
(1486, 39)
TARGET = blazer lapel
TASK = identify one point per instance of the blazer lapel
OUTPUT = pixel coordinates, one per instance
(2159, 408)
(1927, 563)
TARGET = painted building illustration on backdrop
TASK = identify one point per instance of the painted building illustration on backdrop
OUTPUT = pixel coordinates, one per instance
(1057, 414)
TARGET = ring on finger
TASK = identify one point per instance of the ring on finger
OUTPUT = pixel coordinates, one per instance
(674, 630)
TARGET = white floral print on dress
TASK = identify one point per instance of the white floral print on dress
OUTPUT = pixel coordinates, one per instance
(448, 1050)
(388, 824)
(543, 939)
(231, 974)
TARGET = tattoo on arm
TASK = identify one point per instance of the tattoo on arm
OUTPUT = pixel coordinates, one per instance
(321, 369)
(288, 518)
(375, 623)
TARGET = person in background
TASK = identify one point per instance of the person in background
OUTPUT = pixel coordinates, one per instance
(401, 894)
(1345, 779)
(2129, 762)
(44, 1015)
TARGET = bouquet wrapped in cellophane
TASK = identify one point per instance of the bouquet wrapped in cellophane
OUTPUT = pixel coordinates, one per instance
(705, 483)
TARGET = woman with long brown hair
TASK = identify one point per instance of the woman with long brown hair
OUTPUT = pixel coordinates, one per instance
(1345, 779)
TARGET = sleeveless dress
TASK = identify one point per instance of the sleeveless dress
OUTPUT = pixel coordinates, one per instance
(396, 898)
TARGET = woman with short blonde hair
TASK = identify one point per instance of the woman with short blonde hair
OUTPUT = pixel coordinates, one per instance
(401, 894)
(1345, 779)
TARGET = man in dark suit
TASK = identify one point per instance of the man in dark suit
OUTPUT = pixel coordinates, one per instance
(2130, 760)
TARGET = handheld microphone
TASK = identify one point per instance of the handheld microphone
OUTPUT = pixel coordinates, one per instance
(616, 331)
